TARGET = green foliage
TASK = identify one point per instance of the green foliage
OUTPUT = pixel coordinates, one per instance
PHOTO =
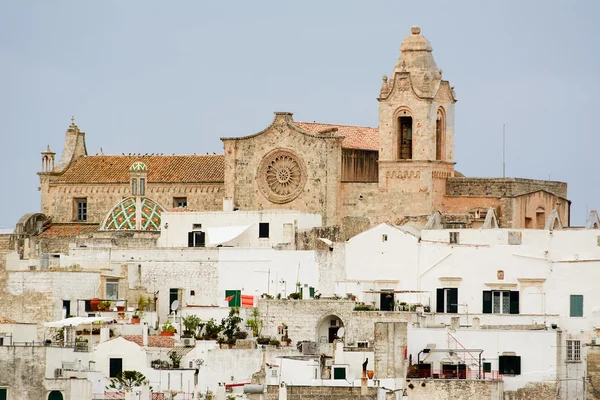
(168, 327)
(364, 307)
(212, 330)
(275, 342)
(295, 296)
(231, 323)
(263, 340)
(175, 358)
(144, 302)
(127, 380)
(191, 323)
(255, 323)
(104, 305)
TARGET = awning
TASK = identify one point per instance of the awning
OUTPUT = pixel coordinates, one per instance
(76, 321)
(224, 234)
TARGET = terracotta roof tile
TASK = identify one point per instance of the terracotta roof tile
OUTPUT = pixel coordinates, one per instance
(62, 230)
(153, 341)
(356, 137)
(115, 169)
(6, 320)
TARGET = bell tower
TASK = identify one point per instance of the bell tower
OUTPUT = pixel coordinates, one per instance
(416, 127)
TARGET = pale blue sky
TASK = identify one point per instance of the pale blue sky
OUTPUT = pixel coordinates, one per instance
(173, 77)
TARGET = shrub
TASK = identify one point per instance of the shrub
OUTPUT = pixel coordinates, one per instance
(263, 340)
(274, 342)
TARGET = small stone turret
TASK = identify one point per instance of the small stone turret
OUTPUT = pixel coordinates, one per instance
(48, 160)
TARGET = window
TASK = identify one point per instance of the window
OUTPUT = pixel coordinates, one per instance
(181, 202)
(3, 393)
(454, 237)
(509, 365)
(142, 186)
(81, 210)
(576, 305)
(447, 300)
(263, 230)
(112, 288)
(500, 302)
(196, 227)
(405, 136)
(573, 350)
(487, 367)
(196, 239)
(192, 292)
(440, 127)
(339, 372)
(67, 307)
(115, 367)
(384, 238)
(134, 187)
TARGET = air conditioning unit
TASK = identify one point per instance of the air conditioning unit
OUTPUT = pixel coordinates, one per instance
(309, 348)
(58, 373)
(189, 342)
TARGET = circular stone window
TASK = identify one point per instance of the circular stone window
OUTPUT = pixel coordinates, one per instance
(281, 176)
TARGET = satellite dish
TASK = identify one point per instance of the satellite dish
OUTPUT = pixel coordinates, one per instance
(340, 332)
(175, 305)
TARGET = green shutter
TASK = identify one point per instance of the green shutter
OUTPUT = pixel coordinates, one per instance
(3, 393)
(487, 367)
(576, 305)
(311, 291)
(339, 373)
(236, 301)
(487, 301)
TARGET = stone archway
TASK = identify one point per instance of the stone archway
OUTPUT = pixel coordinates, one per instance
(55, 395)
(328, 327)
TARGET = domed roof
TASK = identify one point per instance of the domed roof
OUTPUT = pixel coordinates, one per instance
(138, 214)
(138, 166)
(417, 59)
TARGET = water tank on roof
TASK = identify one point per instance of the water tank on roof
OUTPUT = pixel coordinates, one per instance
(254, 389)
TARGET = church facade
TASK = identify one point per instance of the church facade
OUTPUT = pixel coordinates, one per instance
(355, 177)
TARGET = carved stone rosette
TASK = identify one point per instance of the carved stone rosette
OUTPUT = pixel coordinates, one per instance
(281, 176)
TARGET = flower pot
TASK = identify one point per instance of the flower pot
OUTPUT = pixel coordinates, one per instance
(167, 333)
(120, 308)
(370, 374)
(94, 303)
(136, 321)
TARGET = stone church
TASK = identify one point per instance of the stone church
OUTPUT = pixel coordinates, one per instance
(355, 177)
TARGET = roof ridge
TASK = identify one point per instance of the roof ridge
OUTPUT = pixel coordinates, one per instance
(327, 123)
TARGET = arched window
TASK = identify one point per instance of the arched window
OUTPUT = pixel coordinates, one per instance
(440, 134)
(405, 131)
(328, 328)
(134, 186)
(55, 395)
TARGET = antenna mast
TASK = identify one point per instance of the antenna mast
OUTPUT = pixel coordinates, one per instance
(503, 151)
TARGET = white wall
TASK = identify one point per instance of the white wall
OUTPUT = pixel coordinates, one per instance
(180, 223)
(536, 348)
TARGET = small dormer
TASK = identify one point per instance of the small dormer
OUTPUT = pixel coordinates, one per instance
(138, 174)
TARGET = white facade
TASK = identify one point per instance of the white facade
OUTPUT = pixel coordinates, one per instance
(242, 228)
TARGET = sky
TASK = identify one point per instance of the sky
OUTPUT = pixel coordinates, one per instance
(174, 77)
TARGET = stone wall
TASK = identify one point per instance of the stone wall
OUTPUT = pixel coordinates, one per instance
(534, 391)
(499, 187)
(452, 389)
(22, 370)
(593, 372)
(321, 393)
(59, 201)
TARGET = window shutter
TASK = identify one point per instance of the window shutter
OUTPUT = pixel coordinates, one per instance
(514, 301)
(576, 305)
(452, 302)
(487, 301)
(439, 301)
(517, 365)
(190, 239)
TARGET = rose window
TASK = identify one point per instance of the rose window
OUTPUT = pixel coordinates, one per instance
(282, 176)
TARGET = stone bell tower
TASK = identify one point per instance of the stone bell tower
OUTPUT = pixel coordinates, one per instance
(416, 129)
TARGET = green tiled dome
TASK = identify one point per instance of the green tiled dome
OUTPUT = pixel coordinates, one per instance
(141, 214)
(138, 166)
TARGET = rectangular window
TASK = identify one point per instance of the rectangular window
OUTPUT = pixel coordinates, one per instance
(115, 367)
(384, 238)
(81, 210)
(487, 367)
(112, 288)
(181, 202)
(509, 365)
(576, 305)
(573, 350)
(196, 239)
(67, 307)
(233, 297)
(447, 300)
(134, 187)
(500, 302)
(453, 237)
(263, 230)
(142, 186)
(339, 372)
(3, 393)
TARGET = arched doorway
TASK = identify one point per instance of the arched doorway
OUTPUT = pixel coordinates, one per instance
(55, 395)
(327, 329)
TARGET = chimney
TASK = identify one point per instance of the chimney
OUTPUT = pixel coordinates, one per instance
(145, 334)
(227, 204)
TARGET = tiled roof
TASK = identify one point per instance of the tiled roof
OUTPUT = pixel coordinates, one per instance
(115, 169)
(153, 341)
(356, 137)
(62, 230)
(6, 320)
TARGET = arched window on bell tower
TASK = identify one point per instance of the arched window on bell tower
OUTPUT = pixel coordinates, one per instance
(405, 139)
(440, 135)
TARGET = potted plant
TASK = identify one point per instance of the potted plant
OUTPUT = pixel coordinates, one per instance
(231, 324)
(263, 340)
(167, 329)
(94, 303)
(144, 302)
(104, 305)
(191, 323)
(136, 317)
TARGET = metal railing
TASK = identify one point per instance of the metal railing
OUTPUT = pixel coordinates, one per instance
(449, 373)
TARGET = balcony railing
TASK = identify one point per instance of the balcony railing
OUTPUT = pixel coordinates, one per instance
(455, 374)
